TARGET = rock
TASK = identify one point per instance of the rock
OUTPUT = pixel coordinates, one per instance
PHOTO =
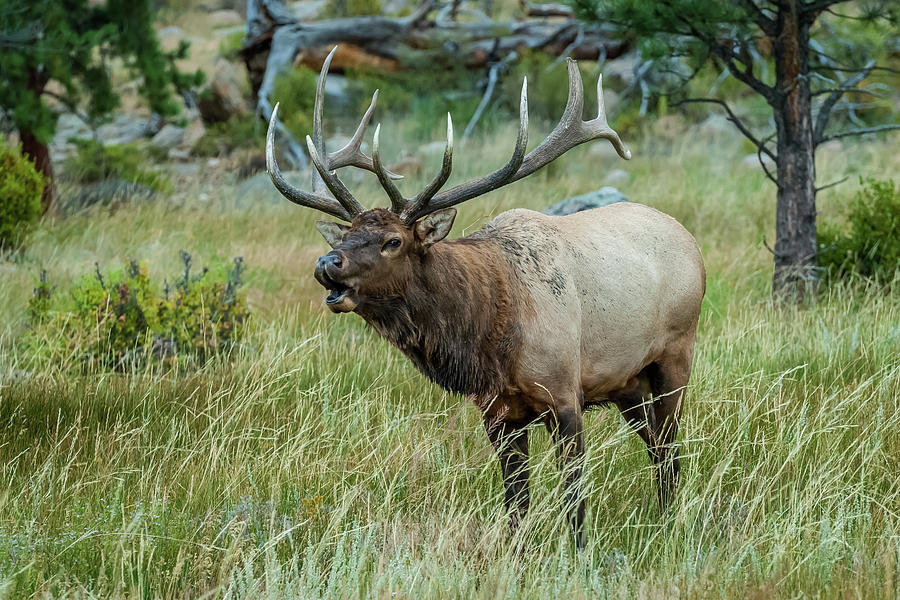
(168, 137)
(751, 161)
(225, 96)
(617, 177)
(602, 197)
(104, 193)
(122, 130)
(225, 18)
(620, 72)
(307, 10)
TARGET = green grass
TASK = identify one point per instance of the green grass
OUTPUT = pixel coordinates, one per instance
(317, 462)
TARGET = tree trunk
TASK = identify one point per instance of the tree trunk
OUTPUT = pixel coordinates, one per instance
(38, 152)
(795, 276)
(34, 148)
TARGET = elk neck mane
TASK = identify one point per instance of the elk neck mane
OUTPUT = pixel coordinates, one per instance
(457, 321)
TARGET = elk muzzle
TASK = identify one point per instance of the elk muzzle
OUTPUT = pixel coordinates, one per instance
(331, 272)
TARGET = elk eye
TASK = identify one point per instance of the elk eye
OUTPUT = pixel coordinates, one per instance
(391, 244)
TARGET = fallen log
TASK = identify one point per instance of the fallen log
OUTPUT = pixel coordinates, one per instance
(276, 41)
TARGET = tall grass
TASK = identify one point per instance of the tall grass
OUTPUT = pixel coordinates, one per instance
(317, 463)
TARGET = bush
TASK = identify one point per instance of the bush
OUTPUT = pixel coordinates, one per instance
(21, 187)
(93, 162)
(122, 319)
(869, 244)
(295, 89)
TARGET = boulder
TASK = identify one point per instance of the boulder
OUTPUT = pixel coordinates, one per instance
(168, 137)
(602, 197)
(225, 96)
(123, 129)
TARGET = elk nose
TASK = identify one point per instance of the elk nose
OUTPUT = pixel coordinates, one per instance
(332, 259)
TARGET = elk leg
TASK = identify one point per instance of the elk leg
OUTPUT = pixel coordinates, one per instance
(570, 448)
(669, 383)
(511, 443)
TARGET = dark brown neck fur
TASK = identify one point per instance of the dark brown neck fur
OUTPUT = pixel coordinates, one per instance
(457, 321)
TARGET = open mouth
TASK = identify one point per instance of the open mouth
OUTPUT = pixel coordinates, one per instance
(336, 293)
(341, 297)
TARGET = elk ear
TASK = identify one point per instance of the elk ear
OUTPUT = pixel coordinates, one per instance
(434, 227)
(331, 231)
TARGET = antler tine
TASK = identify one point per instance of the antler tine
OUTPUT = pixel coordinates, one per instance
(571, 131)
(498, 178)
(425, 196)
(340, 192)
(398, 202)
(609, 133)
(296, 195)
(318, 134)
(351, 155)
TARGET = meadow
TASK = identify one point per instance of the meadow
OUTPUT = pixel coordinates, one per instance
(315, 462)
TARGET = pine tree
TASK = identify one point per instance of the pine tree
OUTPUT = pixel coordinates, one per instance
(790, 53)
(73, 42)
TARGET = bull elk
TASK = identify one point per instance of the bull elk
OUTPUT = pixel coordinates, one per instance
(535, 318)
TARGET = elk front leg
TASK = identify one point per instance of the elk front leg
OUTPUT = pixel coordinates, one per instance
(570, 449)
(511, 443)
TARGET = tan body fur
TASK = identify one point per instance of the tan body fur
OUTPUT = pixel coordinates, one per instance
(605, 293)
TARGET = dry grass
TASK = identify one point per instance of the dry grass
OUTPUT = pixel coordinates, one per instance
(317, 462)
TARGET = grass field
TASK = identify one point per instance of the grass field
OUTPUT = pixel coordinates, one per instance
(318, 463)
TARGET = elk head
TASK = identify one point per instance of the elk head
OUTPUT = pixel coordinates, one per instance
(373, 258)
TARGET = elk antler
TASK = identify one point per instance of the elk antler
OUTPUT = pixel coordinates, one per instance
(571, 131)
(351, 155)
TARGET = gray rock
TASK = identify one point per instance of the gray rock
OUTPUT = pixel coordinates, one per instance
(617, 177)
(123, 129)
(620, 72)
(109, 192)
(602, 197)
(225, 96)
(168, 137)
